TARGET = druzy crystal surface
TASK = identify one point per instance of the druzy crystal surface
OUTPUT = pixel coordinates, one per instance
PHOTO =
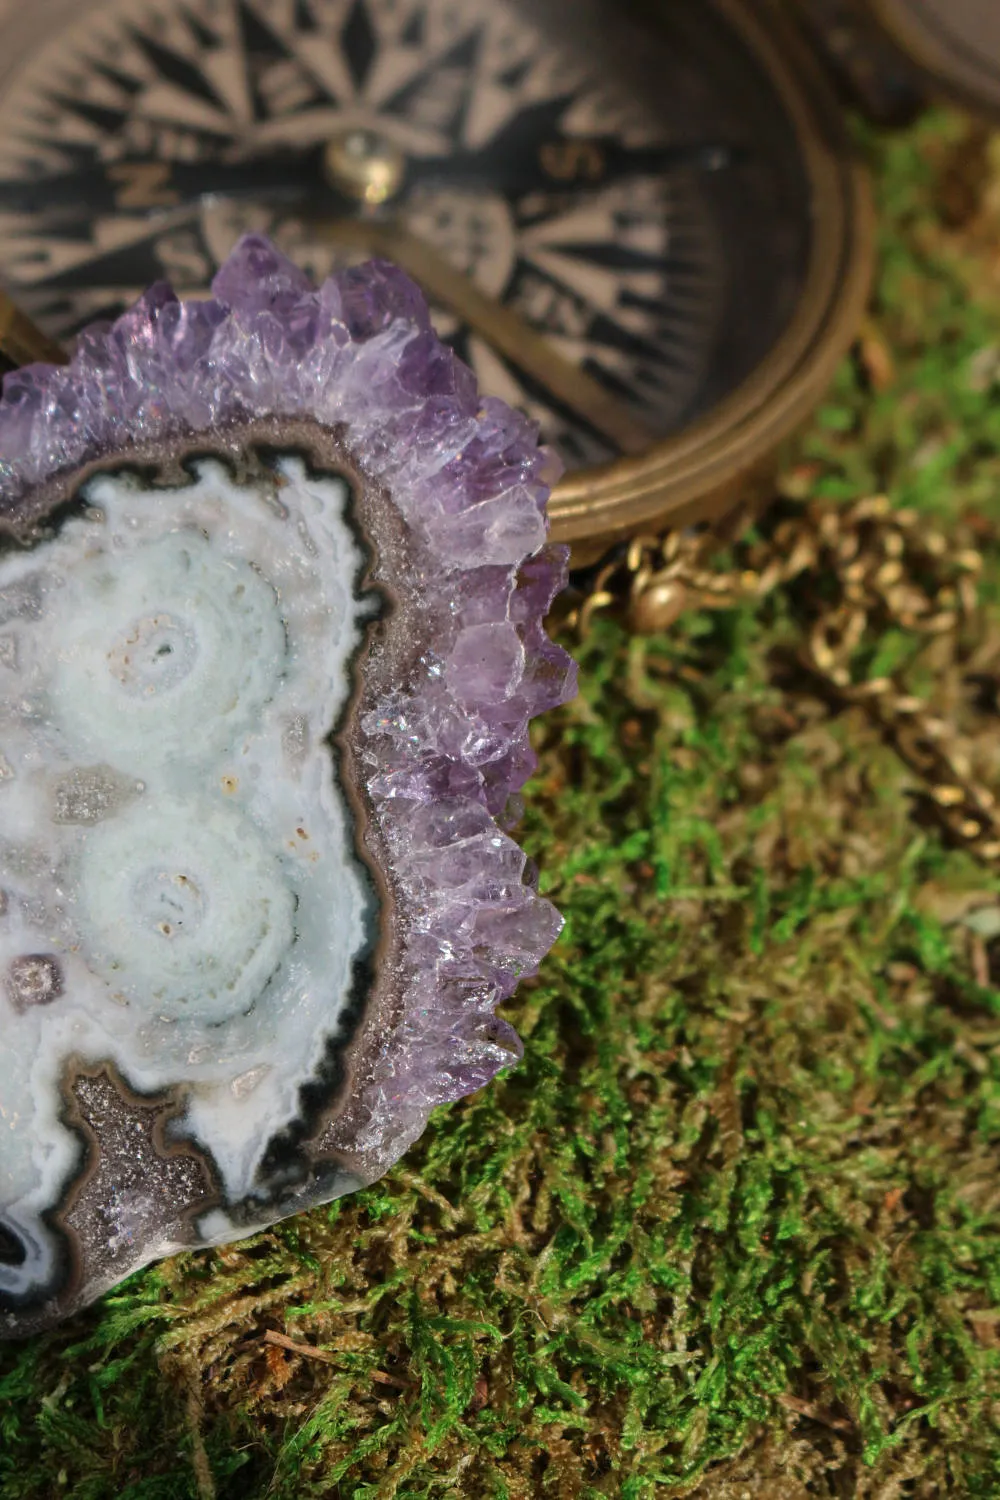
(272, 585)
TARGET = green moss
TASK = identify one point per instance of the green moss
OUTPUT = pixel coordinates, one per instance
(733, 1227)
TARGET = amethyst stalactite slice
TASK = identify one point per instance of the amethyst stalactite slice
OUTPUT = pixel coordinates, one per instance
(272, 585)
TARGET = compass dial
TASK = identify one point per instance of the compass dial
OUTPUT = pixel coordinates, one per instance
(634, 196)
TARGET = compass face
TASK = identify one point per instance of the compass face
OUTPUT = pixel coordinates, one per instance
(636, 195)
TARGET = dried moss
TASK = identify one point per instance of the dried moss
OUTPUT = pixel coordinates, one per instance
(733, 1228)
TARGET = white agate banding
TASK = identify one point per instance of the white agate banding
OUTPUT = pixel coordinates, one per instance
(179, 861)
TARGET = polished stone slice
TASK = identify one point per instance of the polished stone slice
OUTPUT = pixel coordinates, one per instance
(272, 584)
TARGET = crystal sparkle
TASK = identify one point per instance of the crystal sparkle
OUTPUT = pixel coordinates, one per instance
(273, 579)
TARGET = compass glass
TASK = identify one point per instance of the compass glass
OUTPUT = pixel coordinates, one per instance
(629, 187)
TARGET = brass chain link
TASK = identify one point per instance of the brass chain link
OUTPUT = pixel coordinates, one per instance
(875, 568)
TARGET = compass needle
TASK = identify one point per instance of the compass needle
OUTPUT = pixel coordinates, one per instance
(509, 333)
(21, 342)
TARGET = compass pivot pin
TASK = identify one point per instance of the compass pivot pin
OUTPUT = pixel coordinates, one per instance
(365, 166)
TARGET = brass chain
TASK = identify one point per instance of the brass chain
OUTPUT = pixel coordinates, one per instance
(875, 568)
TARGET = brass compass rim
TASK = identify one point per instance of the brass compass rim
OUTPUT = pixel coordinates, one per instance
(697, 473)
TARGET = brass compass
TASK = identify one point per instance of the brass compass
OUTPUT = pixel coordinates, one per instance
(639, 222)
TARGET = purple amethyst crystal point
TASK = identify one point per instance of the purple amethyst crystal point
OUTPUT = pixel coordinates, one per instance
(272, 584)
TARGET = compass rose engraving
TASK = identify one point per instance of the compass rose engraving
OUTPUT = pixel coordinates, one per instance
(140, 145)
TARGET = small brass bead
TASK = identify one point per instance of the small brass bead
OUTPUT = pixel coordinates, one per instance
(659, 606)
